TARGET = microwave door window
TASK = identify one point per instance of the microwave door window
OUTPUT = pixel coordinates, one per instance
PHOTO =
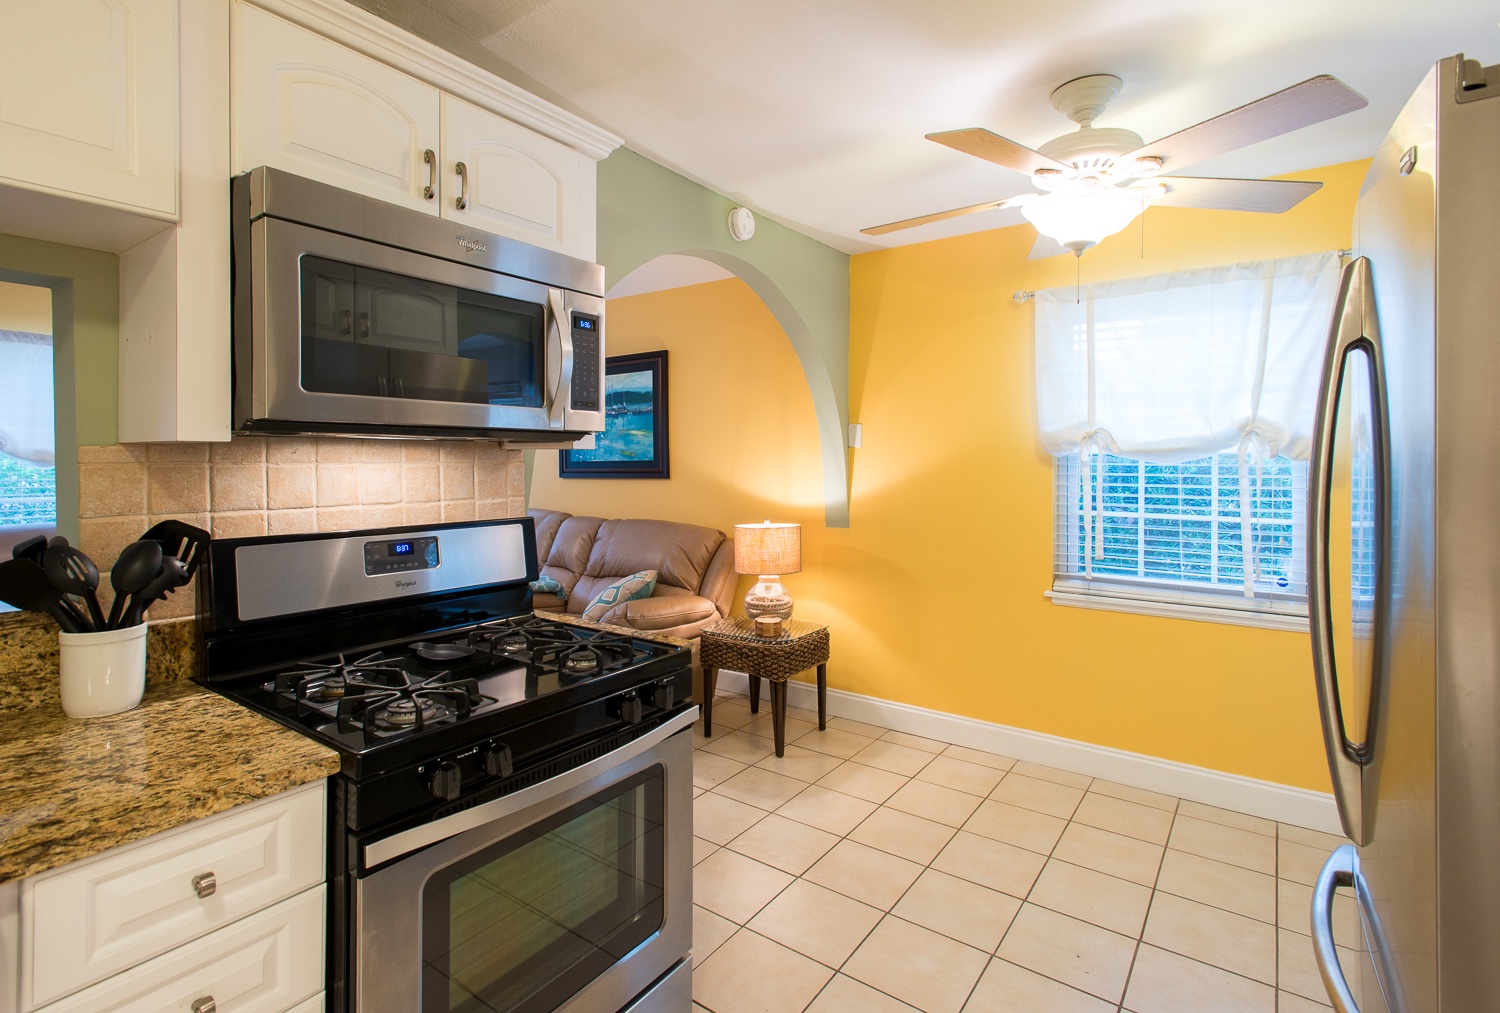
(507, 338)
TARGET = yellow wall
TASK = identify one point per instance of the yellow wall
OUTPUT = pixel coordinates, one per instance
(935, 591)
(743, 433)
(25, 308)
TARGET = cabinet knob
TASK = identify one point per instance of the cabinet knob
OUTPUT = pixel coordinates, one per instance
(204, 885)
(204, 1004)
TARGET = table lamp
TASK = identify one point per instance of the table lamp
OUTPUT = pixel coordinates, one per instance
(768, 550)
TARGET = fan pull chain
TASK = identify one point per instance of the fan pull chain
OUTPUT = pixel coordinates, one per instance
(1077, 279)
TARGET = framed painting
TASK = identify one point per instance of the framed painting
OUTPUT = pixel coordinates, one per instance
(634, 441)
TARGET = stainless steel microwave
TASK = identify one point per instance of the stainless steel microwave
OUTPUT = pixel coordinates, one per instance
(353, 317)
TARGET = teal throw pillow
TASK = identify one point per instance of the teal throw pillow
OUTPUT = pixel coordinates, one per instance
(549, 585)
(637, 585)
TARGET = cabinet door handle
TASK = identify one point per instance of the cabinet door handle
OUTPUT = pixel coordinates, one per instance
(430, 190)
(364, 325)
(205, 884)
(204, 1004)
(462, 200)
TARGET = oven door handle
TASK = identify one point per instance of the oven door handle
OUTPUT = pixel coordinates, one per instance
(393, 847)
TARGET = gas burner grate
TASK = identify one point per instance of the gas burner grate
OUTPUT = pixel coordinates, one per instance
(380, 712)
(571, 652)
(329, 682)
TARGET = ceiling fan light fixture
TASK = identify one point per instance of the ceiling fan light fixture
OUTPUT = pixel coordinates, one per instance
(1081, 218)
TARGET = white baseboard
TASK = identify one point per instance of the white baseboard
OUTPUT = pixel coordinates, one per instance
(1314, 810)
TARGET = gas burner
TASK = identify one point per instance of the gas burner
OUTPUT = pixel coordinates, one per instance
(513, 643)
(580, 661)
(405, 713)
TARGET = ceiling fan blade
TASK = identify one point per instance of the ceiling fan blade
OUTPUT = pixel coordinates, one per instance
(1271, 196)
(1046, 246)
(1009, 202)
(991, 147)
(1313, 101)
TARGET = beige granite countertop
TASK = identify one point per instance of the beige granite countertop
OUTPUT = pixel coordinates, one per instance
(72, 788)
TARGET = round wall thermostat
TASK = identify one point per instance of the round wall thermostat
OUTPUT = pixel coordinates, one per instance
(741, 224)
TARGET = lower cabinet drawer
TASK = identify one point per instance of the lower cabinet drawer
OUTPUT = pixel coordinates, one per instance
(96, 917)
(270, 962)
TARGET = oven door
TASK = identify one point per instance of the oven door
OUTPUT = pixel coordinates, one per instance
(347, 332)
(574, 894)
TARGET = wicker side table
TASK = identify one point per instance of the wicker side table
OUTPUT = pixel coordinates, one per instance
(733, 644)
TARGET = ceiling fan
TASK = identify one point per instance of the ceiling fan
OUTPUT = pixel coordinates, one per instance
(1096, 180)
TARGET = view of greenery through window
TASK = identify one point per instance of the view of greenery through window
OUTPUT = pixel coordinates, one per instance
(28, 494)
(1180, 523)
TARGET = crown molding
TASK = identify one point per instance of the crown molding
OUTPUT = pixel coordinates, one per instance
(361, 31)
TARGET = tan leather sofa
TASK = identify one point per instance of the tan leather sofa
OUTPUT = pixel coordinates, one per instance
(696, 581)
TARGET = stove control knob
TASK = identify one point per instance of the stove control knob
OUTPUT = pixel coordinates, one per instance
(664, 697)
(497, 761)
(630, 708)
(446, 781)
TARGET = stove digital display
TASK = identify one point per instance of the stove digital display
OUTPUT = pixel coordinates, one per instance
(400, 555)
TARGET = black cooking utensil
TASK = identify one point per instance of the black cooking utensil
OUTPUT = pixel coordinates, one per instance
(139, 564)
(32, 549)
(182, 540)
(24, 585)
(74, 573)
(173, 575)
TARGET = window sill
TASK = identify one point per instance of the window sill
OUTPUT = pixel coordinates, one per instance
(1177, 610)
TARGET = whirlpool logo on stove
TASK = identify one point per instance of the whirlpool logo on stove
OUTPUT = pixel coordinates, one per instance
(472, 245)
(406, 583)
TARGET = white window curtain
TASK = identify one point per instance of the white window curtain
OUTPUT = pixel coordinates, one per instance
(26, 422)
(1176, 367)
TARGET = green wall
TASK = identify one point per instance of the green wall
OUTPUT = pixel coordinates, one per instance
(647, 210)
(85, 335)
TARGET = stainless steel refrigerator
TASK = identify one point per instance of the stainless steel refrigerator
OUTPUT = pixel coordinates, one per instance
(1404, 567)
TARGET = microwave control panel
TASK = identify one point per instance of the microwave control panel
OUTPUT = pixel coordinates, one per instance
(587, 362)
(397, 555)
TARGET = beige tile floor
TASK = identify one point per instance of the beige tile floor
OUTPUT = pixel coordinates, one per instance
(871, 871)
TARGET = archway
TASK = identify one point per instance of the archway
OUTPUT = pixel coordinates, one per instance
(646, 211)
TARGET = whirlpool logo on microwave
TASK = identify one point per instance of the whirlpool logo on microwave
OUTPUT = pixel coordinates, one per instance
(473, 246)
(406, 583)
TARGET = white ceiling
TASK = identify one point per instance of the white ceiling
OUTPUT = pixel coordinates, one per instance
(668, 271)
(812, 111)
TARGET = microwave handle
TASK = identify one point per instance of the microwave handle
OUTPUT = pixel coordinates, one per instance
(559, 351)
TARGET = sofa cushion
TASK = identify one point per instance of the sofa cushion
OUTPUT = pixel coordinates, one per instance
(546, 584)
(636, 585)
(681, 552)
(547, 522)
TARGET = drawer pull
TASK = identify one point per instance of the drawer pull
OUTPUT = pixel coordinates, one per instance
(205, 1005)
(204, 885)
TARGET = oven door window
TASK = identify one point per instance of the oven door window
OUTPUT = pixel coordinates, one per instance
(529, 921)
(379, 334)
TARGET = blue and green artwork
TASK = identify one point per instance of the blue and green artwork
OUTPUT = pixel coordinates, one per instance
(629, 419)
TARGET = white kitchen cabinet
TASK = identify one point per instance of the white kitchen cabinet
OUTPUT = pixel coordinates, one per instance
(315, 108)
(174, 286)
(88, 101)
(157, 914)
(502, 178)
(266, 963)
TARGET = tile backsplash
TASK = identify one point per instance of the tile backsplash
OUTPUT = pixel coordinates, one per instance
(280, 485)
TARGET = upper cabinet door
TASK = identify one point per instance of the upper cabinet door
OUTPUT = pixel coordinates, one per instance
(88, 99)
(310, 106)
(515, 182)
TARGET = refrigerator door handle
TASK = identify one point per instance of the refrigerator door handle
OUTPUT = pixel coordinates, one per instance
(1339, 870)
(1354, 328)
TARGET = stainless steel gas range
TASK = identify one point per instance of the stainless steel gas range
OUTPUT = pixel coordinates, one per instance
(511, 828)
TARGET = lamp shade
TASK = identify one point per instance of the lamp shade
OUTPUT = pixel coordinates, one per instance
(767, 548)
(1078, 219)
